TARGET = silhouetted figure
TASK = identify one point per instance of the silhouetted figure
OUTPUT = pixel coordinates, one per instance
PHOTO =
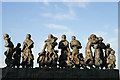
(98, 54)
(16, 56)
(64, 59)
(9, 51)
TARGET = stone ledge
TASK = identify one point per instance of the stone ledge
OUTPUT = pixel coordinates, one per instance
(59, 74)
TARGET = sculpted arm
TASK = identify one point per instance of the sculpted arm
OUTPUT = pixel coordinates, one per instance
(114, 59)
(107, 52)
(108, 59)
(31, 45)
(59, 46)
(71, 44)
(23, 46)
(68, 47)
(80, 46)
(6, 43)
(44, 47)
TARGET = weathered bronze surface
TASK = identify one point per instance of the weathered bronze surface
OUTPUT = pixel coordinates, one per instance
(48, 58)
(65, 57)
(103, 56)
(9, 52)
(16, 56)
(27, 56)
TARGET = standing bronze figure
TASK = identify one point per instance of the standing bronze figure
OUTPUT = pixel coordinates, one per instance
(48, 58)
(27, 56)
(111, 59)
(64, 59)
(9, 52)
(98, 54)
(89, 59)
(75, 46)
(16, 56)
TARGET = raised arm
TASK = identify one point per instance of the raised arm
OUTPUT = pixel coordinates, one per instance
(44, 47)
(6, 43)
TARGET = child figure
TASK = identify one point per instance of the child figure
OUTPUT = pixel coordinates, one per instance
(111, 60)
(16, 56)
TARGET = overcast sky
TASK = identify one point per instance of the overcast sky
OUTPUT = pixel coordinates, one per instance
(40, 19)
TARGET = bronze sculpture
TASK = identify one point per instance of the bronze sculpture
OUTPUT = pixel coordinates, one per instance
(41, 58)
(111, 60)
(49, 58)
(88, 52)
(9, 51)
(98, 54)
(64, 59)
(109, 51)
(27, 56)
(16, 56)
(75, 46)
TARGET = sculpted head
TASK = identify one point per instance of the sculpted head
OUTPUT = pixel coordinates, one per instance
(100, 38)
(89, 38)
(18, 45)
(28, 36)
(112, 52)
(6, 36)
(93, 36)
(50, 36)
(73, 38)
(63, 37)
(108, 45)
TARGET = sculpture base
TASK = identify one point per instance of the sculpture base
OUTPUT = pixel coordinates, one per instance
(58, 74)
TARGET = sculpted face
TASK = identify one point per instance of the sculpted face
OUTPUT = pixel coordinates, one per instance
(73, 38)
(100, 38)
(50, 36)
(112, 52)
(93, 36)
(6, 36)
(63, 37)
(28, 36)
(108, 45)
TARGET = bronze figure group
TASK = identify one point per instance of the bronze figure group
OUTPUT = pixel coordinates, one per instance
(49, 57)
(102, 57)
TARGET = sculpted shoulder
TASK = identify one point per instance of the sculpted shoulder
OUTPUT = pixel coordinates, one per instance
(48, 40)
(67, 41)
(31, 41)
(64, 41)
(75, 42)
(28, 41)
